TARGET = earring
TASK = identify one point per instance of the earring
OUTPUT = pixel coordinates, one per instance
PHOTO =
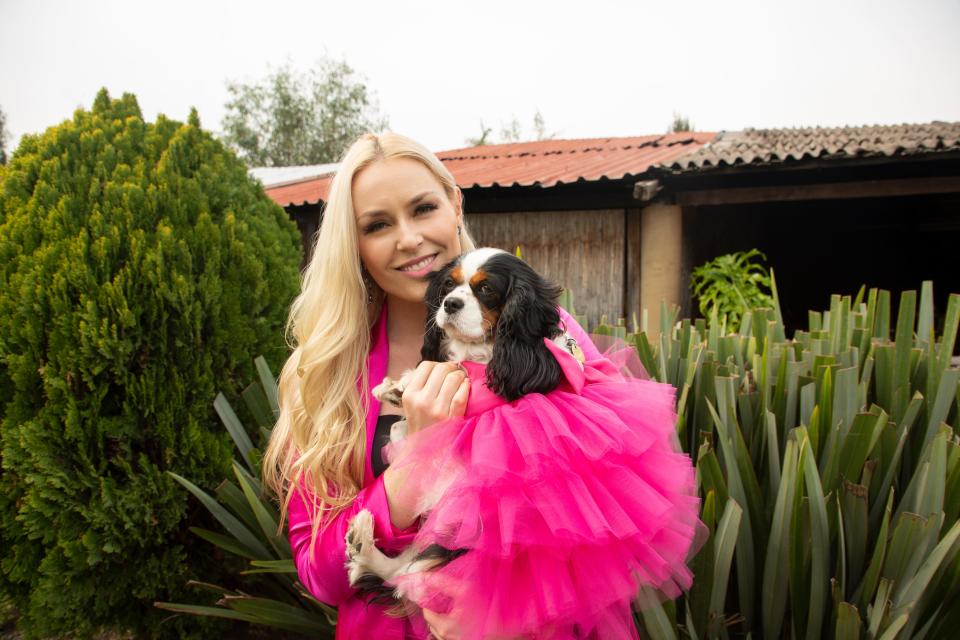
(367, 284)
(459, 229)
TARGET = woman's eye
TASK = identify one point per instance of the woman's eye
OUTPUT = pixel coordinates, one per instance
(374, 226)
(426, 207)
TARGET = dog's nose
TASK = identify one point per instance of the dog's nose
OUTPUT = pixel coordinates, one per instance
(452, 305)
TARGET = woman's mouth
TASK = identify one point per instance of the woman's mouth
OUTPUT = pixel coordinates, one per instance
(419, 268)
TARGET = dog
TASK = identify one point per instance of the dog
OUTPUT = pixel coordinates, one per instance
(489, 307)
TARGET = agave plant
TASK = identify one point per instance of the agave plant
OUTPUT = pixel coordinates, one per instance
(828, 467)
(249, 515)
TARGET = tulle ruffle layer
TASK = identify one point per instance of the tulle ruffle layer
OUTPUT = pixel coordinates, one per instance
(567, 502)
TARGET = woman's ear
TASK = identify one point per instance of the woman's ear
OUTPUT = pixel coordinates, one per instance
(521, 363)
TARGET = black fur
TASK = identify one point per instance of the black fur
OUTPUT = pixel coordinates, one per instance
(436, 290)
(521, 362)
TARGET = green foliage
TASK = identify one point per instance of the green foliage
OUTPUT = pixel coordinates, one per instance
(248, 513)
(680, 123)
(292, 118)
(840, 447)
(3, 137)
(732, 285)
(139, 264)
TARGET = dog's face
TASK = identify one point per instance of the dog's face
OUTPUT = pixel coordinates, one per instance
(468, 294)
(489, 295)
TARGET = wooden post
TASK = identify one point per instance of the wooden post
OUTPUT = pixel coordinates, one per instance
(661, 234)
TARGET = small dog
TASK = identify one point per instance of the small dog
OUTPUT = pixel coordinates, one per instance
(486, 306)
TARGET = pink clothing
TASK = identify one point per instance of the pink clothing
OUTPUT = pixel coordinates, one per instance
(324, 574)
(568, 502)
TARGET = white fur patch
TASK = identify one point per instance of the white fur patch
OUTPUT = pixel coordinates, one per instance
(467, 323)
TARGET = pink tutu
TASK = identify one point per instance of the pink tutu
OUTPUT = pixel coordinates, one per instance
(568, 503)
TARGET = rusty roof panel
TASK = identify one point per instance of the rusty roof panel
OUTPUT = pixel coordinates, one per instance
(773, 146)
(544, 163)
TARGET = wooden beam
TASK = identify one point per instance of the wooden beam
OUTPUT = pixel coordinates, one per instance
(821, 191)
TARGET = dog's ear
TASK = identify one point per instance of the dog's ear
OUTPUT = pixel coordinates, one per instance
(521, 363)
(432, 334)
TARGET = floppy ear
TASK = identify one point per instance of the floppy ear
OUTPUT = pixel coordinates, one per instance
(433, 335)
(521, 363)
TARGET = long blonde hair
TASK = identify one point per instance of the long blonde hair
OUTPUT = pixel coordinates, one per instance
(319, 441)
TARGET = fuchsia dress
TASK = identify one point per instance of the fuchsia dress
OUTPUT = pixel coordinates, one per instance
(567, 501)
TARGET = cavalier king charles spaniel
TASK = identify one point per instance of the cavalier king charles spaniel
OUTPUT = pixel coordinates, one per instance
(489, 307)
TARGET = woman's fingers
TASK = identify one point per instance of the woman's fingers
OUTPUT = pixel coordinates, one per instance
(429, 396)
(458, 405)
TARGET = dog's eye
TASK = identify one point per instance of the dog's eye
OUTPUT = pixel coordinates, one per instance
(449, 283)
(485, 289)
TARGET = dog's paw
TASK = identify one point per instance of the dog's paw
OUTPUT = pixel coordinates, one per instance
(398, 431)
(389, 391)
(360, 545)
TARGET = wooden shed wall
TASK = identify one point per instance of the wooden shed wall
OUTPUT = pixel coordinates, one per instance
(584, 251)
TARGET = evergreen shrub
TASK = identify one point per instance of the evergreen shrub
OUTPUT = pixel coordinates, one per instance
(141, 270)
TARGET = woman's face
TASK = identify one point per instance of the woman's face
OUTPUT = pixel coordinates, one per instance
(406, 225)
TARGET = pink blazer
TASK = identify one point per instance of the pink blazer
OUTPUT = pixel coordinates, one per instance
(323, 574)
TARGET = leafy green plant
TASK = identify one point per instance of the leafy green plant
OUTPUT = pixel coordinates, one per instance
(139, 265)
(829, 466)
(249, 514)
(732, 284)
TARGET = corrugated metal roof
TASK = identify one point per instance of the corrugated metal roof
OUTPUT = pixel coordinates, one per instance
(277, 176)
(544, 163)
(772, 146)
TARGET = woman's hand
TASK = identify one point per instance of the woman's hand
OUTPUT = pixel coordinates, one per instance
(436, 391)
(441, 627)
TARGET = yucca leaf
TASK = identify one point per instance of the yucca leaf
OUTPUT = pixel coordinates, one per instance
(224, 542)
(910, 535)
(867, 588)
(279, 615)
(879, 610)
(853, 500)
(265, 519)
(774, 594)
(259, 406)
(848, 622)
(915, 584)
(819, 548)
(199, 610)
(232, 497)
(655, 619)
(235, 428)
(233, 526)
(268, 382)
(726, 539)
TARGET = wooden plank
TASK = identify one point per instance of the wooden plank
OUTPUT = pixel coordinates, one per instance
(631, 280)
(823, 191)
(581, 250)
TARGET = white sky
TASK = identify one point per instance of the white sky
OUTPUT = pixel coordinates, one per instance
(593, 68)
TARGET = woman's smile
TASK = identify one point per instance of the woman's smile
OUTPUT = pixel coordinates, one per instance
(418, 267)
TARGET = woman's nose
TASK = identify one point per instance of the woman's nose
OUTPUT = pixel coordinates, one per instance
(409, 237)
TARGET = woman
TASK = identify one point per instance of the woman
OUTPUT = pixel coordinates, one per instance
(394, 214)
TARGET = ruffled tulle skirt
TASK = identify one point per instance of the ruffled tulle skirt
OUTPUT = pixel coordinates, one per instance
(567, 504)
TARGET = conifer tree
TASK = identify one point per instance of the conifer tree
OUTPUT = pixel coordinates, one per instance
(142, 271)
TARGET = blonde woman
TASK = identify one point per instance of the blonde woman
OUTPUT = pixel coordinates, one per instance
(394, 215)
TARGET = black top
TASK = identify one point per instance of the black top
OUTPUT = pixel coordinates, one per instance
(381, 439)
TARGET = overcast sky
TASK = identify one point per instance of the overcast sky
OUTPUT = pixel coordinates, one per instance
(592, 68)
